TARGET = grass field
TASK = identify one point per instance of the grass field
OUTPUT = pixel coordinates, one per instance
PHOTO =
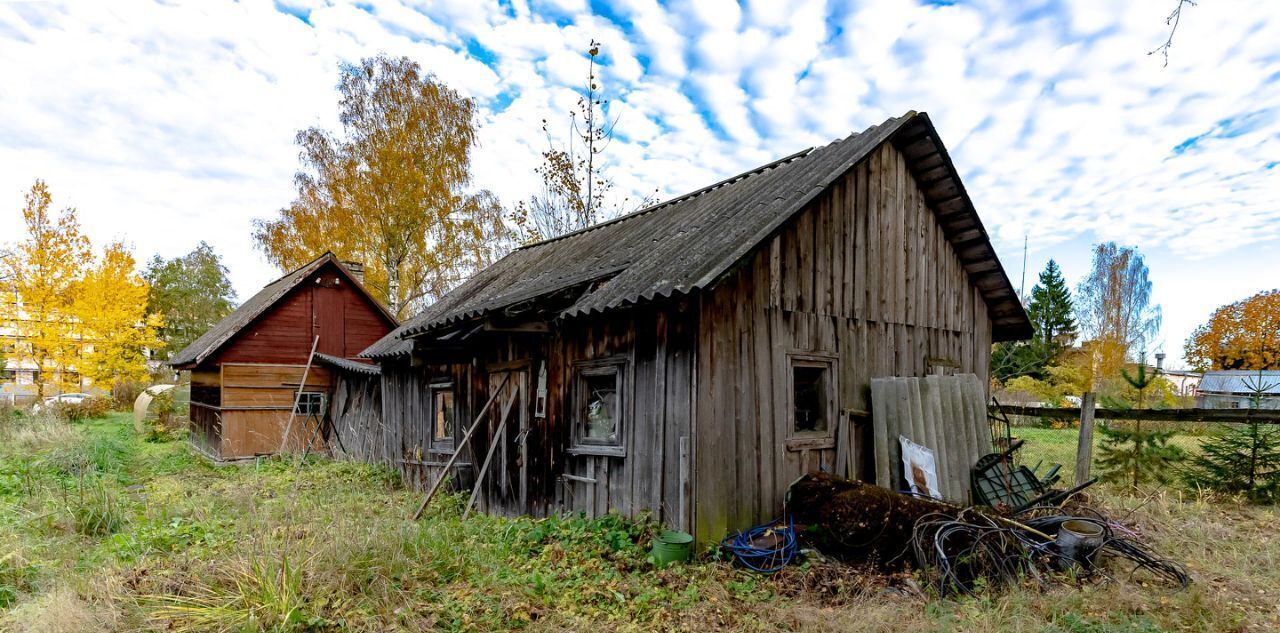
(1048, 446)
(100, 531)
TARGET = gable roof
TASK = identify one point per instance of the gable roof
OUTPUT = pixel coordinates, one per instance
(686, 243)
(211, 341)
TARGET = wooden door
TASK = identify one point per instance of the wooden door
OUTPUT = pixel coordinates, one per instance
(506, 483)
(330, 321)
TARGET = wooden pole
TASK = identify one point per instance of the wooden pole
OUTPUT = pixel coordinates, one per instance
(458, 451)
(1084, 450)
(493, 448)
(284, 439)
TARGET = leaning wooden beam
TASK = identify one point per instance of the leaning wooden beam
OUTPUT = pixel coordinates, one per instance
(493, 447)
(458, 451)
(284, 439)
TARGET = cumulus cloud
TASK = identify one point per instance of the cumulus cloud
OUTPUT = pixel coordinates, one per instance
(171, 123)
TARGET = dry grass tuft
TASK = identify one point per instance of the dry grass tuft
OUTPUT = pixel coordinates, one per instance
(61, 610)
(21, 435)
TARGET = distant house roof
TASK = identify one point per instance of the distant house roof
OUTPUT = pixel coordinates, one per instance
(1240, 382)
(686, 243)
(226, 329)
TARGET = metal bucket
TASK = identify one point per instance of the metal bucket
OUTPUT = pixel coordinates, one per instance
(1078, 540)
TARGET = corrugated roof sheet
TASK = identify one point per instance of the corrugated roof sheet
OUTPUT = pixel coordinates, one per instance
(227, 328)
(346, 364)
(671, 248)
(1240, 382)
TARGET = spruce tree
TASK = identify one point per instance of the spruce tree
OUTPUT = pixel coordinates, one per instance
(1132, 453)
(1050, 313)
(1244, 459)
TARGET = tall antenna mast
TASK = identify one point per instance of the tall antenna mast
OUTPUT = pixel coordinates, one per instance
(1022, 290)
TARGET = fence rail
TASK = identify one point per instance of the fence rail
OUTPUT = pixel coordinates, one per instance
(1271, 416)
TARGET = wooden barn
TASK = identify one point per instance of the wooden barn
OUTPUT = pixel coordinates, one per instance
(246, 370)
(693, 358)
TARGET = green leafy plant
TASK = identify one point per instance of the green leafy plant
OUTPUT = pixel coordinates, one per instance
(95, 511)
(88, 409)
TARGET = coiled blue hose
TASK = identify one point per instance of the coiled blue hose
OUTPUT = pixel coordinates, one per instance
(743, 547)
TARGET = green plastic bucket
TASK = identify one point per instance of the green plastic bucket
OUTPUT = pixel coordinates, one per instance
(670, 546)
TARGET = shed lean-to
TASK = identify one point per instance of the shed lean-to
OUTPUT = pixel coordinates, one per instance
(246, 370)
(702, 353)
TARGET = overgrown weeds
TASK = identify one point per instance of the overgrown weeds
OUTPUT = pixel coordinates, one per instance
(327, 547)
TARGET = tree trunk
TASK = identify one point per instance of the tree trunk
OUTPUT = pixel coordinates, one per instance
(393, 289)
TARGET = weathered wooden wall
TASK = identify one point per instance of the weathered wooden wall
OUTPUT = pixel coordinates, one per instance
(355, 412)
(525, 476)
(865, 275)
(654, 476)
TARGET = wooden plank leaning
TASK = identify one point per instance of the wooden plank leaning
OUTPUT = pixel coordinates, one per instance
(493, 448)
(284, 439)
(444, 472)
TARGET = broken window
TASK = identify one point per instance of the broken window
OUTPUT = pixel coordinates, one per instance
(598, 410)
(442, 413)
(812, 398)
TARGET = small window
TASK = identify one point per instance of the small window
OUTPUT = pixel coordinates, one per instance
(598, 407)
(310, 403)
(810, 398)
(813, 401)
(442, 413)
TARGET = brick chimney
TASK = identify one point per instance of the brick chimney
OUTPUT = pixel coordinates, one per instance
(356, 269)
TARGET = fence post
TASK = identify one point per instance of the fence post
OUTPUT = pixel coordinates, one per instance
(1084, 450)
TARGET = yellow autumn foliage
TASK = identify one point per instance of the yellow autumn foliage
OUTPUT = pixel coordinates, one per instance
(111, 308)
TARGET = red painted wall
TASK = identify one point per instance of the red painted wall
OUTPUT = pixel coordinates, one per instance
(344, 318)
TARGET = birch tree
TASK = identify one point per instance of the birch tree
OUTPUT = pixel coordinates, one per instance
(391, 188)
(46, 267)
(111, 313)
(1114, 309)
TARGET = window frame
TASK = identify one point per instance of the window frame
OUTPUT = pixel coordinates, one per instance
(448, 440)
(307, 399)
(811, 440)
(620, 367)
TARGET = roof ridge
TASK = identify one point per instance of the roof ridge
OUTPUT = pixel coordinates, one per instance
(680, 198)
(300, 268)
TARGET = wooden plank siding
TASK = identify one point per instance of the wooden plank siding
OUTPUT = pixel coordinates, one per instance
(863, 274)
(243, 393)
(657, 344)
(344, 318)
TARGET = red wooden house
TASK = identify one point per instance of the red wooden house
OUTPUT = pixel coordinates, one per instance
(247, 369)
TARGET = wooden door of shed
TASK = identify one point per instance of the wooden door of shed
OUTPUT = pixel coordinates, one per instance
(507, 481)
(330, 321)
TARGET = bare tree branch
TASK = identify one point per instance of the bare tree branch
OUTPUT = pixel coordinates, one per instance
(1174, 18)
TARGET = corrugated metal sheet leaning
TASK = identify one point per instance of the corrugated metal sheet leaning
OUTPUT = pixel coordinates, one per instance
(944, 413)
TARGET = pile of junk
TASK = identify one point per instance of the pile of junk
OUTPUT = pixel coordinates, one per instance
(994, 523)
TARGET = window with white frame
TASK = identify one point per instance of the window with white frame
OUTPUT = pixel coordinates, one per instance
(599, 406)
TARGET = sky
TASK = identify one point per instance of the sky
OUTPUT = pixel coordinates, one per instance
(169, 123)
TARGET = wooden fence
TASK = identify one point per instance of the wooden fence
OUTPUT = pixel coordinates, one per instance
(1269, 416)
